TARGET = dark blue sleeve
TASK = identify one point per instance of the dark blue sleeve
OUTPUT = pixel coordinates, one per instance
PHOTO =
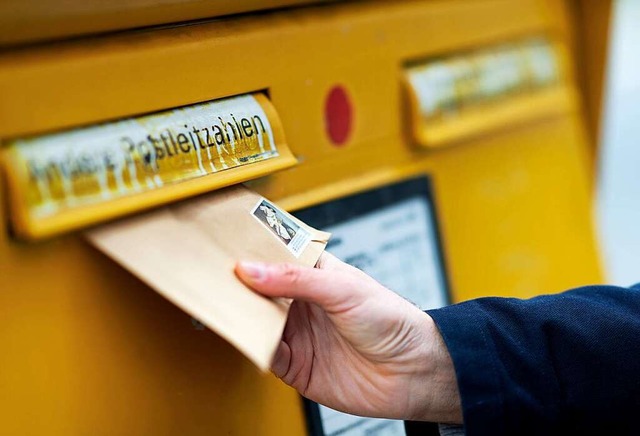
(555, 364)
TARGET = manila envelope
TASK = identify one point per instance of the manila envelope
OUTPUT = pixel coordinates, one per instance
(187, 253)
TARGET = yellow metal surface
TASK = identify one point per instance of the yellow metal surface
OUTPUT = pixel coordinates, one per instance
(28, 21)
(88, 349)
(592, 24)
(587, 26)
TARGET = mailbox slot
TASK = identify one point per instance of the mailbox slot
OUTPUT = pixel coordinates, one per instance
(460, 96)
(67, 180)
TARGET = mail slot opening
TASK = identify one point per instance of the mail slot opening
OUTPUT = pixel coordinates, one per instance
(63, 181)
(458, 96)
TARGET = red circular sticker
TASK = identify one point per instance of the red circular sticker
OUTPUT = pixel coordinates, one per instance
(338, 115)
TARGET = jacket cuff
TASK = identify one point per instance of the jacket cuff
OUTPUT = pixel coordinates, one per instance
(463, 328)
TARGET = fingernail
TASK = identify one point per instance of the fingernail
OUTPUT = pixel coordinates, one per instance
(254, 270)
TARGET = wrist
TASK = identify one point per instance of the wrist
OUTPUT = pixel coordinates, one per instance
(439, 396)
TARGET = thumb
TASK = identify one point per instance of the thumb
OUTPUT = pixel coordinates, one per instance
(330, 289)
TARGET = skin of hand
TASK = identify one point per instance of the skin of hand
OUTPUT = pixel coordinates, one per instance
(355, 346)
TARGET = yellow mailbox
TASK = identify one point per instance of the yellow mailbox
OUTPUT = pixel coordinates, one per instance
(482, 98)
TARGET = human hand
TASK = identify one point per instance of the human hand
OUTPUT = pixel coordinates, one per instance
(355, 346)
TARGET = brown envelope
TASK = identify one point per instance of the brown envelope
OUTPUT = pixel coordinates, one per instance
(187, 252)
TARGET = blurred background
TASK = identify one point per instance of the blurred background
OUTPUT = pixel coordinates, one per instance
(618, 178)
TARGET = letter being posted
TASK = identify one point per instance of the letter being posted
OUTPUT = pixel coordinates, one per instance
(187, 253)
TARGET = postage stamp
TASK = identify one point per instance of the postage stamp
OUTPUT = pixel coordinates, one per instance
(294, 237)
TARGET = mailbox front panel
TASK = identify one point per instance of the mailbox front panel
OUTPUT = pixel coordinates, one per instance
(89, 349)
